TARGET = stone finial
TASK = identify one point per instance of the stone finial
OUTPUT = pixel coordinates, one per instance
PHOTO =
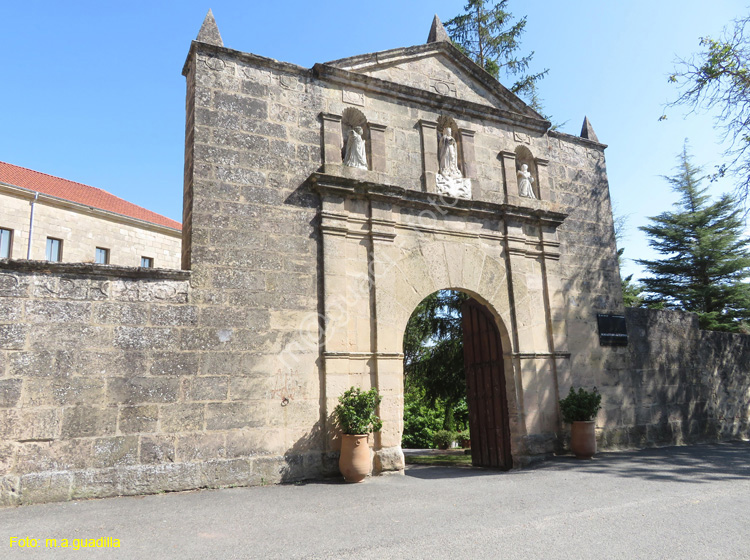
(437, 32)
(209, 32)
(587, 131)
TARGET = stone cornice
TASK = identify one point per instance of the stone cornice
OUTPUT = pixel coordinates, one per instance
(90, 269)
(255, 59)
(398, 196)
(457, 107)
(577, 140)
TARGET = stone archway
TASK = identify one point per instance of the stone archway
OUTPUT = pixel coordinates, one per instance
(386, 249)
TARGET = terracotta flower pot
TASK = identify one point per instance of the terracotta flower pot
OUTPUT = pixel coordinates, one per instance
(354, 462)
(583, 439)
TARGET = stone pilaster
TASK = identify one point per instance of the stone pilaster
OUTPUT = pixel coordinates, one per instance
(377, 147)
(469, 157)
(509, 171)
(543, 178)
(428, 130)
(332, 140)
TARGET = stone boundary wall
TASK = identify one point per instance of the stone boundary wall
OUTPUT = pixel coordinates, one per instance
(682, 386)
(101, 392)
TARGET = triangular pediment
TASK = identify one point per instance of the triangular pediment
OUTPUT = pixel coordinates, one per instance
(438, 68)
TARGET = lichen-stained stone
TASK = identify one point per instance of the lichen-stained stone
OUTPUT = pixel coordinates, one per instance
(157, 449)
(86, 421)
(146, 338)
(58, 312)
(10, 489)
(181, 417)
(136, 390)
(229, 416)
(197, 447)
(138, 419)
(10, 392)
(114, 451)
(175, 363)
(7, 458)
(214, 388)
(45, 487)
(64, 391)
(13, 337)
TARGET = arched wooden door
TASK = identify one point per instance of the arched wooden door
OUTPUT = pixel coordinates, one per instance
(485, 388)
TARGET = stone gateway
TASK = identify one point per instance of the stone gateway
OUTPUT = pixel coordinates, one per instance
(321, 206)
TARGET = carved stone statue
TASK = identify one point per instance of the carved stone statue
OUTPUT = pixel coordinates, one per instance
(450, 180)
(448, 156)
(524, 182)
(355, 155)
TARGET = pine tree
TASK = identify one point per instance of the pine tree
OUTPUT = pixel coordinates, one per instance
(433, 352)
(487, 34)
(706, 261)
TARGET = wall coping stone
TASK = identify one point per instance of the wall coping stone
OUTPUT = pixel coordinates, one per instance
(90, 269)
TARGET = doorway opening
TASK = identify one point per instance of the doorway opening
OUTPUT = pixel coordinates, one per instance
(454, 384)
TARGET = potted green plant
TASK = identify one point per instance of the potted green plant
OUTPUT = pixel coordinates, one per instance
(579, 410)
(356, 416)
(443, 439)
(464, 439)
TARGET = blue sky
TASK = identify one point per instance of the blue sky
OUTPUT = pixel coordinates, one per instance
(93, 92)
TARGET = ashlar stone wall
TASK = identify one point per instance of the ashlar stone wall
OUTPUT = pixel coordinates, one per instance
(682, 385)
(101, 387)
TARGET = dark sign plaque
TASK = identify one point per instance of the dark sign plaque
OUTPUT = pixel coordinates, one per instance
(612, 330)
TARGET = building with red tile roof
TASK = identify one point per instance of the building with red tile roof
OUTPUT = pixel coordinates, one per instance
(73, 222)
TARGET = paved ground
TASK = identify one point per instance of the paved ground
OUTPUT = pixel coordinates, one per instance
(680, 502)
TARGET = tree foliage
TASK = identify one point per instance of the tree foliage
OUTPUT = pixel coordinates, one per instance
(433, 355)
(718, 78)
(631, 290)
(706, 256)
(488, 34)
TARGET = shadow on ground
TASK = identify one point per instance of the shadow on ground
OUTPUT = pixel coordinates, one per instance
(693, 464)
(697, 464)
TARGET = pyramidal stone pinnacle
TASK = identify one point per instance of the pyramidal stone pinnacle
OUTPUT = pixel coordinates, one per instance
(209, 32)
(437, 32)
(587, 131)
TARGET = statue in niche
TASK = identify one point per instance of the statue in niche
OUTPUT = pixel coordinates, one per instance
(524, 182)
(448, 156)
(355, 155)
(449, 179)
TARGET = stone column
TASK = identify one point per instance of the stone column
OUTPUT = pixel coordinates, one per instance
(543, 178)
(377, 147)
(429, 154)
(332, 141)
(509, 171)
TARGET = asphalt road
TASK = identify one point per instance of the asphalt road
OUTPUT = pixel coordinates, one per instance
(679, 502)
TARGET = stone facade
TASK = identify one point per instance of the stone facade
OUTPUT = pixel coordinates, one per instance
(301, 274)
(82, 229)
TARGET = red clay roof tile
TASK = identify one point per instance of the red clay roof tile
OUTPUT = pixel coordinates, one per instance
(77, 192)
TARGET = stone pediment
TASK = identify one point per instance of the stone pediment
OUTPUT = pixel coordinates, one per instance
(438, 68)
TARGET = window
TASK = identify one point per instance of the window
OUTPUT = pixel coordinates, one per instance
(54, 249)
(101, 256)
(147, 262)
(6, 242)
